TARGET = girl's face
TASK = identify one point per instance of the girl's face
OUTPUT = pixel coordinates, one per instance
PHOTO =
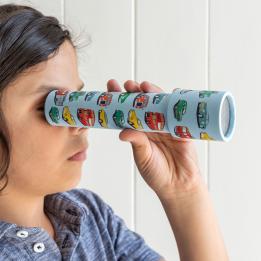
(39, 157)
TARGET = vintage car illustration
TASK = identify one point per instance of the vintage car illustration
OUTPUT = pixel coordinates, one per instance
(60, 96)
(67, 116)
(205, 136)
(140, 101)
(102, 118)
(123, 96)
(158, 98)
(75, 95)
(90, 95)
(54, 114)
(182, 132)
(86, 116)
(133, 120)
(104, 99)
(185, 91)
(202, 115)
(176, 89)
(203, 94)
(155, 120)
(179, 109)
(118, 118)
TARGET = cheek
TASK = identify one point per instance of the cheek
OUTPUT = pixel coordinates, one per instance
(39, 156)
(37, 145)
(39, 163)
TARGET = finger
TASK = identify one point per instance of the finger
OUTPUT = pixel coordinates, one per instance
(150, 87)
(132, 86)
(113, 86)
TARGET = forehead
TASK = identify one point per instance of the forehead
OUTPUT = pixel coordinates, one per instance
(61, 69)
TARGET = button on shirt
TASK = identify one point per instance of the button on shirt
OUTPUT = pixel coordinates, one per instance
(86, 228)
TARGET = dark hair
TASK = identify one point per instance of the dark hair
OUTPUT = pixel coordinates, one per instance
(27, 37)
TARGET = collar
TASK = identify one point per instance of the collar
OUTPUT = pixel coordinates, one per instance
(61, 205)
(65, 207)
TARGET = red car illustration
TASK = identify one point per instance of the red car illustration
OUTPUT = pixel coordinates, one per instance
(104, 99)
(182, 132)
(155, 120)
(140, 101)
(86, 116)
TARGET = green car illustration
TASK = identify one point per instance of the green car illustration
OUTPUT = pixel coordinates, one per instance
(202, 115)
(203, 94)
(75, 95)
(118, 118)
(54, 114)
(179, 109)
(185, 91)
(158, 97)
(90, 95)
(123, 96)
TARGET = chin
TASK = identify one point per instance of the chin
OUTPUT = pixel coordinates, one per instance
(67, 182)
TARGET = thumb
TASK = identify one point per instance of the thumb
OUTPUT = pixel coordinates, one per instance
(140, 144)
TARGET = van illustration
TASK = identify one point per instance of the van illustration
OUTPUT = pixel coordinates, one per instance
(60, 96)
(182, 132)
(104, 99)
(140, 101)
(155, 120)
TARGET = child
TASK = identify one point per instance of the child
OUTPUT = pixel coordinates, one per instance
(42, 215)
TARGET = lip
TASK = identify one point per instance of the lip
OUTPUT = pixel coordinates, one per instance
(78, 156)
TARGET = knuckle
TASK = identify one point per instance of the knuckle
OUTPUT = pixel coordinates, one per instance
(128, 82)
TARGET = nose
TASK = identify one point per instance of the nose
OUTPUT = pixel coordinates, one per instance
(78, 131)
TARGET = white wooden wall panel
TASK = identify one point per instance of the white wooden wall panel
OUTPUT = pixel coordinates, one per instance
(200, 44)
(171, 52)
(47, 7)
(235, 176)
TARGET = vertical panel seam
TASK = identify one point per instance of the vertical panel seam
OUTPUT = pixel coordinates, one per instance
(133, 76)
(208, 83)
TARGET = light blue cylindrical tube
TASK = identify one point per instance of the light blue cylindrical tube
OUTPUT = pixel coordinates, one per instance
(188, 114)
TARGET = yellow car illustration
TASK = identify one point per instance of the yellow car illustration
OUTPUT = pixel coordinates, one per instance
(67, 116)
(205, 136)
(102, 118)
(133, 120)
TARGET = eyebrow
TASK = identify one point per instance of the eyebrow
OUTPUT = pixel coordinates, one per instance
(48, 88)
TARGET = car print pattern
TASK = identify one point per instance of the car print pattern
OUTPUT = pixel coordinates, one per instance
(153, 120)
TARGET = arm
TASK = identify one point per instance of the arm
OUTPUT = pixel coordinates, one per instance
(195, 226)
(169, 165)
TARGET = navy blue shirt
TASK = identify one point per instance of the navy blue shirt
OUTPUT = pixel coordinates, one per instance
(86, 228)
